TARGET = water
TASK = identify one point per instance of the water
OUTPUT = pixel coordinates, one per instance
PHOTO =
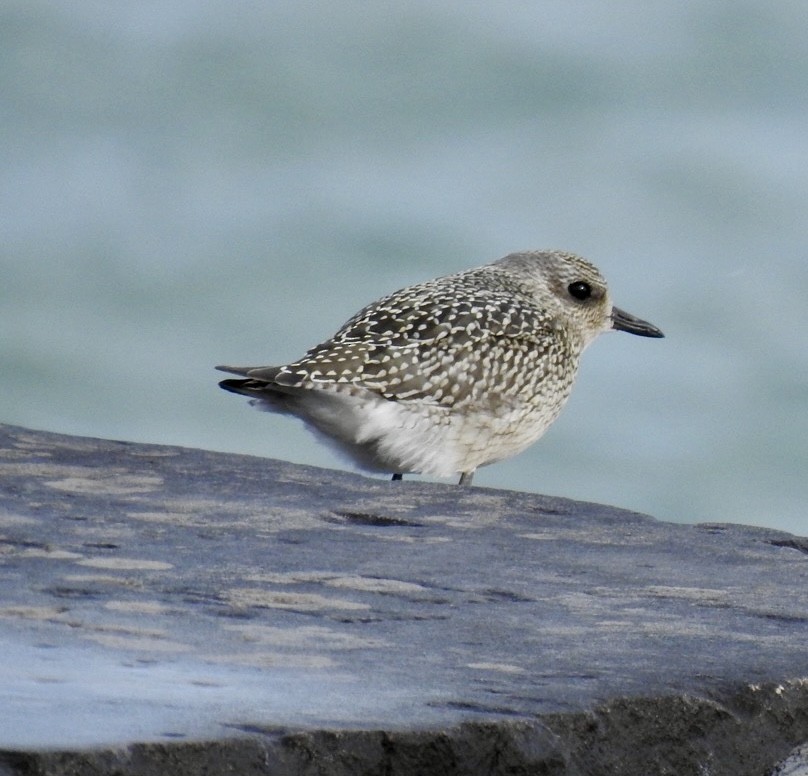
(194, 183)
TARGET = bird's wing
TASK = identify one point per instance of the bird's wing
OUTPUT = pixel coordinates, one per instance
(431, 343)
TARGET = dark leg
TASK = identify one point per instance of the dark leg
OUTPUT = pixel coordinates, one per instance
(397, 477)
(465, 478)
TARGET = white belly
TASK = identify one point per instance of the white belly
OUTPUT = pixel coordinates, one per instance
(397, 436)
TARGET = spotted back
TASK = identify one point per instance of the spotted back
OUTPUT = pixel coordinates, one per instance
(469, 338)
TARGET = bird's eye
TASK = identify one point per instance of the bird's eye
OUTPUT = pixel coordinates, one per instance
(580, 290)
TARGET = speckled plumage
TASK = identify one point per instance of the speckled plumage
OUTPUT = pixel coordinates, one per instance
(452, 374)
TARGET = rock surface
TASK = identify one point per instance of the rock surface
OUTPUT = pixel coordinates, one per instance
(796, 764)
(165, 610)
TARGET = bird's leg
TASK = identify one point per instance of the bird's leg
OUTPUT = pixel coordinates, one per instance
(465, 478)
(397, 477)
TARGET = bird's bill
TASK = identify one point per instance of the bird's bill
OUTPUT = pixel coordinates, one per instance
(622, 321)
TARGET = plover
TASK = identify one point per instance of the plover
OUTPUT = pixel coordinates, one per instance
(452, 374)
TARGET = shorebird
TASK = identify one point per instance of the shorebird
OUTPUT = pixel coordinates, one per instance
(452, 374)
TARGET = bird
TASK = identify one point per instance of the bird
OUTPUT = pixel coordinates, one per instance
(445, 376)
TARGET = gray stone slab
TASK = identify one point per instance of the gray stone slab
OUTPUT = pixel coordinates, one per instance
(796, 764)
(166, 610)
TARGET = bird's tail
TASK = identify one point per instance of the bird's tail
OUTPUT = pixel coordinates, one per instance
(244, 387)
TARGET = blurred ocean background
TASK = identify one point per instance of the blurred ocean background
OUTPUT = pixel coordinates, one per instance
(188, 183)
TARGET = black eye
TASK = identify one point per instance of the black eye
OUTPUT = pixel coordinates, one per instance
(580, 290)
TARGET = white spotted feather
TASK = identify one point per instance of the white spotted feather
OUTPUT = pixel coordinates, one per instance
(449, 375)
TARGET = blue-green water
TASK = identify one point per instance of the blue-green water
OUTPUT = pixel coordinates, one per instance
(190, 183)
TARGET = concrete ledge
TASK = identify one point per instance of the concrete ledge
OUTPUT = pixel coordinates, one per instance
(165, 610)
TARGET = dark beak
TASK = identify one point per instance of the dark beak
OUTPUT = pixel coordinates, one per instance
(625, 322)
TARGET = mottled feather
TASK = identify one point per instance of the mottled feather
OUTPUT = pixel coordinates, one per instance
(451, 374)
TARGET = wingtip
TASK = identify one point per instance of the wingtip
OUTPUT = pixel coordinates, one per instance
(234, 370)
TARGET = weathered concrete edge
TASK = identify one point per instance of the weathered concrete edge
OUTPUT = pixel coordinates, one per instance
(751, 731)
